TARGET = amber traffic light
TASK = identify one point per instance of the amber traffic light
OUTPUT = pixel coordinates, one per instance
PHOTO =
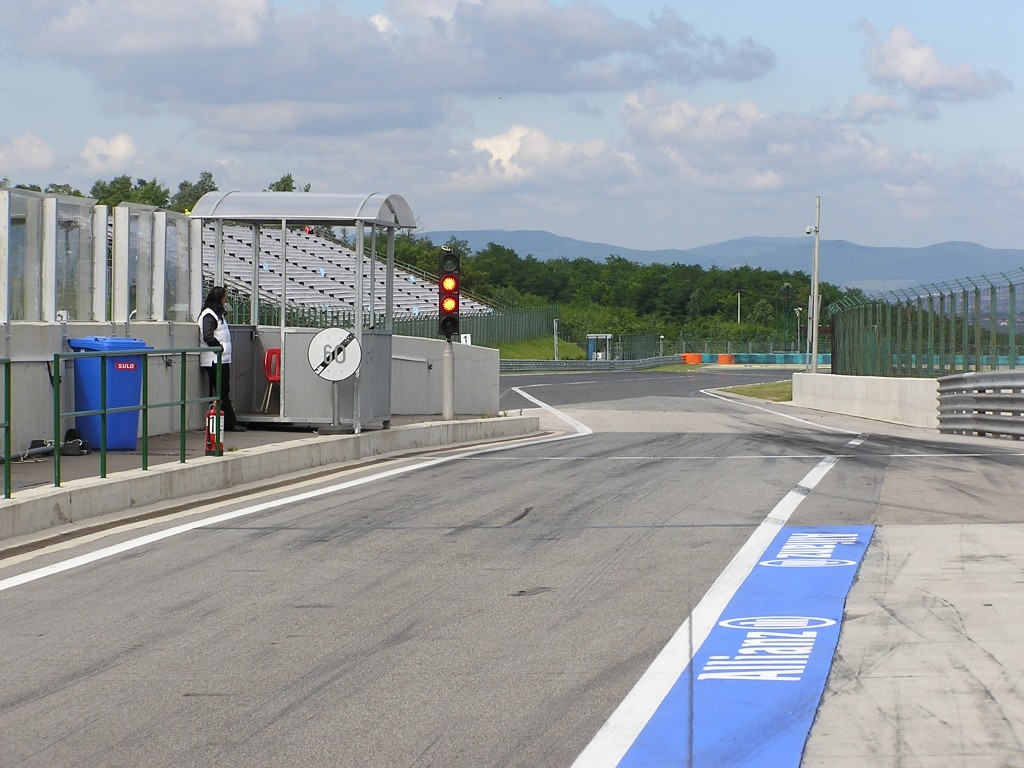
(448, 292)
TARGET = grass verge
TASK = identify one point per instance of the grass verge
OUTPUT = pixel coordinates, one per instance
(775, 391)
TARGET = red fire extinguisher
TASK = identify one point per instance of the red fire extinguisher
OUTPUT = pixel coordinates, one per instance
(214, 430)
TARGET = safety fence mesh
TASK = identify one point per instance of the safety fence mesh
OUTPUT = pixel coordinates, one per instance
(957, 326)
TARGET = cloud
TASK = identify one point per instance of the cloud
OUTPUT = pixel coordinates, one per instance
(523, 156)
(26, 154)
(78, 29)
(417, 54)
(873, 108)
(905, 65)
(111, 155)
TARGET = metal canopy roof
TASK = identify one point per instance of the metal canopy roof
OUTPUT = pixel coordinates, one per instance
(306, 207)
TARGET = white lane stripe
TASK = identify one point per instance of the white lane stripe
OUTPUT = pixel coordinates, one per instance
(126, 546)
(581, 429)
(142, 541)
(710, 393)
(627, 721)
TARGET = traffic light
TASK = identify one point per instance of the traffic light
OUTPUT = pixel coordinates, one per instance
(448, 292)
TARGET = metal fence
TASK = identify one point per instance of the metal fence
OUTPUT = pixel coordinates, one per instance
(969, 324)
(485, 328)
(104, 411)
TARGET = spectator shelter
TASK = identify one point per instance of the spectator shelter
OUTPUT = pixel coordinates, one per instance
(262, 353)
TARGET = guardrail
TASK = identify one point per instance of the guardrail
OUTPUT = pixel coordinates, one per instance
(554, 366)
(985, 403)
(144, 406)
(689, 358)
(6, 362)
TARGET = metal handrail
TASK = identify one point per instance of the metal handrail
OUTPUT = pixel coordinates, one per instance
(6, 425)
(182, 402)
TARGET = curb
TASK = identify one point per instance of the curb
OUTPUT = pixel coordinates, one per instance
(75, 501)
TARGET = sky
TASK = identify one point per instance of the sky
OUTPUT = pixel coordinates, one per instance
(640, 123)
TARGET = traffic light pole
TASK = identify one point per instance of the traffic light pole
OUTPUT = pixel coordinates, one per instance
(448, 382)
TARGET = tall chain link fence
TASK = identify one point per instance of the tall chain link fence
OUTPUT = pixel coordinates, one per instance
(958, 326)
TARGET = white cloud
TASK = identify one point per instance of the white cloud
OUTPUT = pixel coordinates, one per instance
(904, 64)
(25, 154)
(872, 108)
(126, 28)
(527, 156)
(109, 155)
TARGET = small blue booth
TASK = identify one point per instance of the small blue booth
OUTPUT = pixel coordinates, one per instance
(124, 388)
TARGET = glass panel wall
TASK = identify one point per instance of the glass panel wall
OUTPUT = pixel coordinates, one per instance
(176, 269)
(140, 264)
(25, 275)
(74, 261)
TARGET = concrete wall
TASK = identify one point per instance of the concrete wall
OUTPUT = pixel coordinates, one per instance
(415, 376)
(914, 402)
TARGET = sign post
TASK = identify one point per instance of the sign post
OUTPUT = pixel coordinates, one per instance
(334, 355)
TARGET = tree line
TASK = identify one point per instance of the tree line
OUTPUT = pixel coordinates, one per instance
(123, 188)
(625, 297)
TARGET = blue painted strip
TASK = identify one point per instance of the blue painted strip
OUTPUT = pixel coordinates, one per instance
(750, 694)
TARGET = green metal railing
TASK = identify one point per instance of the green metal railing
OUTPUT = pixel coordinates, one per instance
(968, 324)
(6, 362)
(144, 407)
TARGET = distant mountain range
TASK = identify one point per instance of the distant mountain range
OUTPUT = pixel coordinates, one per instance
(840, 262)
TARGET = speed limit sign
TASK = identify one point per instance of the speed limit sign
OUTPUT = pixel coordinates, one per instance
(334, 354)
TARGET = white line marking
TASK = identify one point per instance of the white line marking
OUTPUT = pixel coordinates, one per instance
(620, 731)
(709, 393)
(581, 429)
(116, 549)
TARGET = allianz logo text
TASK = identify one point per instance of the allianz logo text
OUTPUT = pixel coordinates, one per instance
(775, 649)
(811, 550)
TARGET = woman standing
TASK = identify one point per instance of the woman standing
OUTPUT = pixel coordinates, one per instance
(214, 332)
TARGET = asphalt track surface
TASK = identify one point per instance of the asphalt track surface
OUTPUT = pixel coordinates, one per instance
(460, 608)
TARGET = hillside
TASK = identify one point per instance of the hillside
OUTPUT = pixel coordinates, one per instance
(841, 262)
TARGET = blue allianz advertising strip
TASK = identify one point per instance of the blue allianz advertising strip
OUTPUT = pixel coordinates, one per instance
(750, 694)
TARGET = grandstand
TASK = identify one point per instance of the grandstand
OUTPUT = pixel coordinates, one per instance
(321, 273)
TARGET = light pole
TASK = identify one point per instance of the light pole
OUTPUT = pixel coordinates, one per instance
(797, 310)
(661, 345)
(815, 307)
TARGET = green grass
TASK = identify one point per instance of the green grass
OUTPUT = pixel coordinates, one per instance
(775, 391)
(540, 349)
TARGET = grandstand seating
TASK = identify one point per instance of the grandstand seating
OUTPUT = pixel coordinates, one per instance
(321, 273)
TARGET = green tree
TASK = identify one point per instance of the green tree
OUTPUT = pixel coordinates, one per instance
(189, 192)
(121, 189)
(62, 189)
(286, 184)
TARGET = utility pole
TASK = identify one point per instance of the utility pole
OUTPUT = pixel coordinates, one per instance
(815, 308)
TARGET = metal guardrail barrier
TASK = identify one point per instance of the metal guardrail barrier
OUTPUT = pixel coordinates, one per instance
(144, 407)
(984, 404)
(550, 366)
(6, 362)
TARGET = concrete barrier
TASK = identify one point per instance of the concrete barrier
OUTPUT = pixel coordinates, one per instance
(78, 501)
(914, 402)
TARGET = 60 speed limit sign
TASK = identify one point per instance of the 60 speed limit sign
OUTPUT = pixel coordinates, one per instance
(334, 354)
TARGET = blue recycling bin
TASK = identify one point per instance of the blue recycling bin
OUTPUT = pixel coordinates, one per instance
(124, 388)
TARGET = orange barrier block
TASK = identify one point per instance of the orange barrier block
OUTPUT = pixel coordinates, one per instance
(727, 359)
(692, 358)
